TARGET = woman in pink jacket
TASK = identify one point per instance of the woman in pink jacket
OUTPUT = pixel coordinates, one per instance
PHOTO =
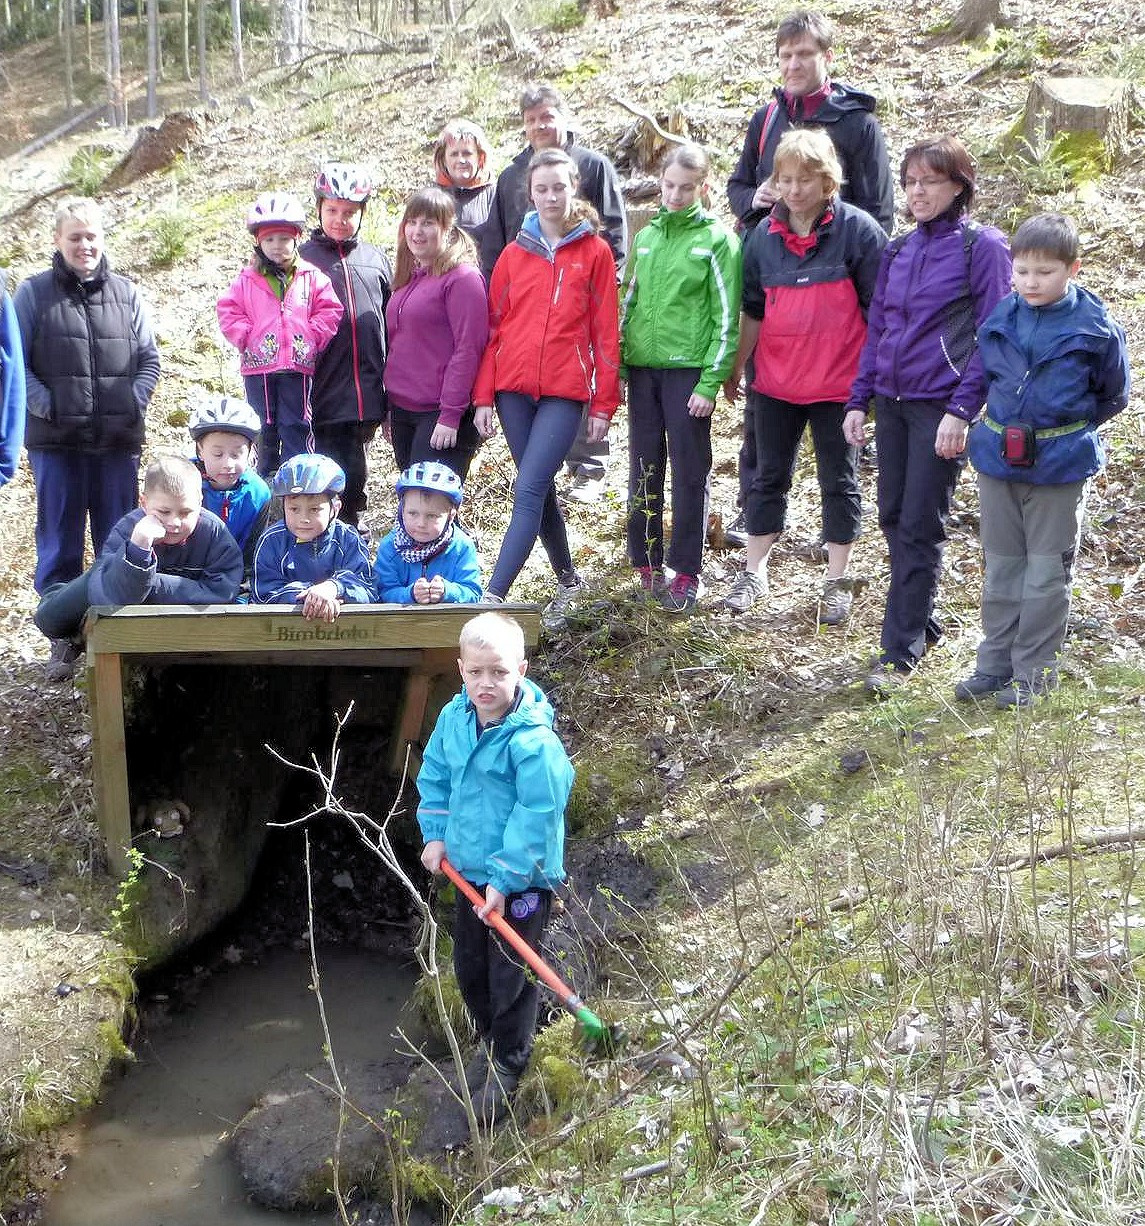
(279, 313)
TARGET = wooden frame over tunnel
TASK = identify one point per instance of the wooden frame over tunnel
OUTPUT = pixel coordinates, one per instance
(421, 640)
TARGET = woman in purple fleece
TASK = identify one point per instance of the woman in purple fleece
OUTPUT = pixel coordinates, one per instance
(438, 322)
(920, 365)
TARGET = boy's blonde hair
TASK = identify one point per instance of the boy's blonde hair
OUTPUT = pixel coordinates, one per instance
(78, 208)
(494, 631)
(171, 474)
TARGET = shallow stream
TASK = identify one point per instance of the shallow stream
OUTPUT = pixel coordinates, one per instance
(155, 1153)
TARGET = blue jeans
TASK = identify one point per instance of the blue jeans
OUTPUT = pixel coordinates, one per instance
(71, 487)
(539, 434)
(282, 401)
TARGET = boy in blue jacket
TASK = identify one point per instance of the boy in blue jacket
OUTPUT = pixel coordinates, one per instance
(494, 783)
(310, 558)
(167, 551)
(1056, 367)
(427, 559)
(224, 430)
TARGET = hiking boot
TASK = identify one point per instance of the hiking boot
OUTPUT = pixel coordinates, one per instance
(681, 595)
(477, 1070)
(1022, 693)
(555, 616)
(493, 1098)
(747, 590)
(651, 580)
(835, 603)
(885, 680)
(585, 488)
(978, 685)
(63, 661)
(735, 533)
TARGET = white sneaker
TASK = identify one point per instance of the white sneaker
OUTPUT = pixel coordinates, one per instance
(555, 615)
(586, 489)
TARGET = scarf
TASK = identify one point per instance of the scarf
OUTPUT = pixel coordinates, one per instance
(416, 552)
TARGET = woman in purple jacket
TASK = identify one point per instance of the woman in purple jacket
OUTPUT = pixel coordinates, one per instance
(920, 365)
(438, 323)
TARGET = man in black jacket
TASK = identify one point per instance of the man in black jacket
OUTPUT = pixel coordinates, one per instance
(808, 97)
(546, 123)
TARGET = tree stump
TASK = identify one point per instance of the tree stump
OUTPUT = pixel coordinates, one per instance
(975, 17)
(1089, 114)
(155, 149)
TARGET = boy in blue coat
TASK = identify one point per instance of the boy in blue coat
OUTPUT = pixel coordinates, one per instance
(1056, 367)
(310, 558)
(167, 551)
(224, 430)
(493, 784)
(427, 559)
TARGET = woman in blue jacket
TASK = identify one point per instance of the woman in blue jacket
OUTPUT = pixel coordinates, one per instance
(920, 366)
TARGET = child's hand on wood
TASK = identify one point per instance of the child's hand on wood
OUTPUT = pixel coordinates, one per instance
(432, 855)
(429, 591)
(494, 901)
(320, 602)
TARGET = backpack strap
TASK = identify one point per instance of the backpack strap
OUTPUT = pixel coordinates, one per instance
(768, 123)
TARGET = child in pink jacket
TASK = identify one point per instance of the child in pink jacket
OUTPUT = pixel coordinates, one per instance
(280, 313)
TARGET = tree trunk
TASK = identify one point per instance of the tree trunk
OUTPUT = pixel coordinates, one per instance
(90, 47)
(1092, 110)
(117, 109)
(204, 90)
(152, 58)
(187, 40)
(292, 31)
(237, 37)
(69, 21)
(975, 17)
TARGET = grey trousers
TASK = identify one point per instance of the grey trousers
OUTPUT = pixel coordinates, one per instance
(1029, 538)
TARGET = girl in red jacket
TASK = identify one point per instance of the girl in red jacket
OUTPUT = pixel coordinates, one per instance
(279, 313)
(553, 349)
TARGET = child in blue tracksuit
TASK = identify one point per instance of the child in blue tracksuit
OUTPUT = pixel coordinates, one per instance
(1056, 368)
(494, 783)
(310, 557)
(427, 559)
(224, 430)
(168, 551)
(12, 389)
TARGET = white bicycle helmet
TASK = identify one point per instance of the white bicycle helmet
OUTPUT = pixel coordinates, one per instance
(434, 478)
(343, 181)
(275, 209)
(309, 474)
(226, 413)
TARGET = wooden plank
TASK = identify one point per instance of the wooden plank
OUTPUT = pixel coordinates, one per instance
(109, 758)
(412, 727)
(395, 658)
(223, 629)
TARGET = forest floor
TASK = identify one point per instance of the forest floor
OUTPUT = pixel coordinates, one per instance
(901, 954)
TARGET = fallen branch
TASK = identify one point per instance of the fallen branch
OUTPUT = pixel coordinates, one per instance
(1084, 843)
(650, 120)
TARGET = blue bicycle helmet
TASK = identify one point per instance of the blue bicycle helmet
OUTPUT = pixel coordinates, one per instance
(308, 474)
(433, 478)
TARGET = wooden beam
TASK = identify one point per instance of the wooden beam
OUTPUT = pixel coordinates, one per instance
(109, 757)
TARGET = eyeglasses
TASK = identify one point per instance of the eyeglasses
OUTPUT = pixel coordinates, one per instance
(925, 184)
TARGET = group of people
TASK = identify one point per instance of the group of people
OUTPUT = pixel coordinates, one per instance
(517, 303)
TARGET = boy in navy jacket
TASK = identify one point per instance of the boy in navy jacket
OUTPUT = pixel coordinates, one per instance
(168, 551)
(494, 783)
(1056, 367)
(310, 558)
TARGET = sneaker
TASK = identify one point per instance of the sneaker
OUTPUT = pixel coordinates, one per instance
(63, 661)
(735, 533)
(978, 685)
(492, 598)
(835, 603)
(555, 616)
(586, 489)
(651, 580)
(747, 590)
(492, 1100)
(681, 595)
(1022, 693)
(885, 680)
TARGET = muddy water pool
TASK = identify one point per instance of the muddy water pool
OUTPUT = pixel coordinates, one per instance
(154, 1152)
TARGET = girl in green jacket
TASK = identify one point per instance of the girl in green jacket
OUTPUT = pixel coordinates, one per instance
(680, 329)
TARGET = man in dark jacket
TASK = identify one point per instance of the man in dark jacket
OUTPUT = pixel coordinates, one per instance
(546, 124)
(808, 97)
(91, 366)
